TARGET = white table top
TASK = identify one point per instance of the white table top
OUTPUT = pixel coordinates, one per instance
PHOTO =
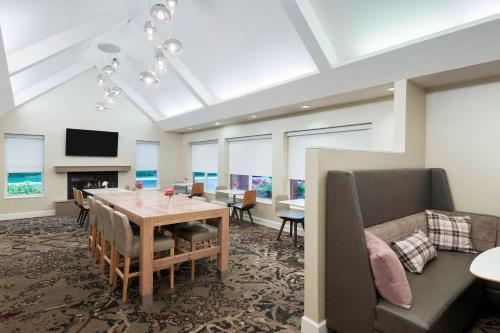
(105, 190)
(487, 265)
(232, 192)
(295, 202)
(182, 184)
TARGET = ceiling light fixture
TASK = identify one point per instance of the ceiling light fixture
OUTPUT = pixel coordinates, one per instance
(305, 107)
(111, 91)
(217, 124)
(161, 13)
(390, 89)
(253, 116)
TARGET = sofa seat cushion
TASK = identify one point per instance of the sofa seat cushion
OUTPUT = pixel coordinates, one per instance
(445, 297)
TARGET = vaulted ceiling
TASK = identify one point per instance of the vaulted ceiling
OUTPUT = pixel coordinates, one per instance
(242, 57)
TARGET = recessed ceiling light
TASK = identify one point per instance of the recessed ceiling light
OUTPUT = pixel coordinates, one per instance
(390, 89)
(253, 116)
(190, 128)
(217, 123)
(305, 106)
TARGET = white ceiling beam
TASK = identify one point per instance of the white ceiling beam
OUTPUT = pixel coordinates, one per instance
(312, 34)
(6, 97)
(452, 49)
(50, 83)
(191, 82)
(36, 53)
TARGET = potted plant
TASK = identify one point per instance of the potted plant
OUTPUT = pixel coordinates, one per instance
(169, 193)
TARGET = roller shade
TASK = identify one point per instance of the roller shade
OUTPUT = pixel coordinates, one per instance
(357, 137)
(147, 155)
(251, 156)
(23, 153)
(204, 156)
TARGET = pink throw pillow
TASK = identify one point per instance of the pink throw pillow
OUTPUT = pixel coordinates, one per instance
(388, 272)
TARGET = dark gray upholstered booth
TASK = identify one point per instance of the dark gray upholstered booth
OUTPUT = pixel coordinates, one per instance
(445, 296)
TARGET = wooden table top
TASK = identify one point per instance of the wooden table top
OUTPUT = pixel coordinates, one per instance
(154, 205)
(104, 190)
(295, 202)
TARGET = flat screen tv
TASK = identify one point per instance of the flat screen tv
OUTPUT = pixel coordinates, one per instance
(91, 143)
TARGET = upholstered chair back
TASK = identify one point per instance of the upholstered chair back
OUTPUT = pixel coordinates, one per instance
(123, 234)
(98, 215)
(108, 224)
(92, 212)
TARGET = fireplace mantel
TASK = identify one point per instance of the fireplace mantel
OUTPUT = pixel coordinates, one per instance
(91, 168)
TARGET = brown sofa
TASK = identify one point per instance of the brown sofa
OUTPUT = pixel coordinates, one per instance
(391, 204)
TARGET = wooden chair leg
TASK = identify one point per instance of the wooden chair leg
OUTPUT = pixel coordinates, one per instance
(193, 248)
(101, 258)
(281, 229)
(89, 239)
(94, 243)
(250, 215)
(303, 227)
(126, 270)
(291, 228)
(172, 269)
(116, 264)
(295, 230)
(111, 265)
(79, 216)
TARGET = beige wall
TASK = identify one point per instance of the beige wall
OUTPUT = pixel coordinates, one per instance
(379, 112)
(410, 106)
(463, 137)
(71, 105)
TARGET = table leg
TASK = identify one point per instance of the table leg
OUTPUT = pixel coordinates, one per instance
(146, 262)
(223, 238)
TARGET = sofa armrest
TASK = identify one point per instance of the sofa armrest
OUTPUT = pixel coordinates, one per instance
(485, 230)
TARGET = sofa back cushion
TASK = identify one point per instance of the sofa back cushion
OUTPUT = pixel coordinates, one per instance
(400, 228)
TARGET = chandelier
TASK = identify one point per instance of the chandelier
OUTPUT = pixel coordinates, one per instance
(161, 13)
(110, 90)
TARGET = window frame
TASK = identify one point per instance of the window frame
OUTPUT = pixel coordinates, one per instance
(158, 186)
(205, 180)
(6, 194)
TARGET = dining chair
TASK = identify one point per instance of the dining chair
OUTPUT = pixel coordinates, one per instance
(197, 190)
(92, 230)
(283, 212)
(127, 245)
(249, 201)
(100, 231)
(84, 207)
(223, 197)
(108, 239)
(196, 234)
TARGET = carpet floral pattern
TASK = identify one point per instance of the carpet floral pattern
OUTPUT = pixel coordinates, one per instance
(48, 283)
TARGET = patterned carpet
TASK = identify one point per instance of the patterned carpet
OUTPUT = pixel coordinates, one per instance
(49, 283)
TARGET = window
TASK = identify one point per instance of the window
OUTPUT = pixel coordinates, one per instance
(147, 164)
(354, 137)
(24, 166)
(204, 164)
(250, 165)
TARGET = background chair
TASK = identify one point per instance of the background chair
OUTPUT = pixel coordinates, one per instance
(197, 190)
(249, 201)
(127, 244)
(108, 239)
(283, 212)
(92, 231)
(84, 207)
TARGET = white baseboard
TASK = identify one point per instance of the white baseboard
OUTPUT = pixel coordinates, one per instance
(27, 215)
(273, 224)
(310, 326)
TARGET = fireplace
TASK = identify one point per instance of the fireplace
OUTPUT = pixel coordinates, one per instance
(86, 180)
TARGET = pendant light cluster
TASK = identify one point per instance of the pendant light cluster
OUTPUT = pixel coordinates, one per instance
(111, 91)
(161, 13)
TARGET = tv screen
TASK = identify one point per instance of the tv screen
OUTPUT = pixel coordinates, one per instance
(91, 143)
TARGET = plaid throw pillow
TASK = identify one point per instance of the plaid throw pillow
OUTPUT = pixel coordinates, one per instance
(415, 251)
(450, 233)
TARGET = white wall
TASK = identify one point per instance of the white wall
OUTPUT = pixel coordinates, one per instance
(380, 113)
(71, 105)
(463, 137)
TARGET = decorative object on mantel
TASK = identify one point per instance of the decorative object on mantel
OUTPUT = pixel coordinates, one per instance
(161, 13)
(111, 91)
(105, 184)
(169, 192)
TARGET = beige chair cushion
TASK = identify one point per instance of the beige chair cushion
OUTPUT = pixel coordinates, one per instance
(401, 228)
(161, 243)
(196, 233)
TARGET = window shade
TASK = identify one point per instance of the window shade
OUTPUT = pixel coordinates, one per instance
(147, 155)
(251, 156)
(204, 156)
(23, 153)
(357, 137)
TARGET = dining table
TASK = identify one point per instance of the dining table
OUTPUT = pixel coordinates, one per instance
(94, 191)
(299, 204)
(150, 209)
(232, 192)
(184, 185)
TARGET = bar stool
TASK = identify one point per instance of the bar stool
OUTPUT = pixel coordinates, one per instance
(197, 190)
(249, 201)
(92, 231)
(283, 212)
(127, 245)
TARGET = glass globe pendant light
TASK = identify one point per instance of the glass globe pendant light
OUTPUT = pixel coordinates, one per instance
(150, 30)
(115, 63)
(171, 4)
(172, 47)
(100, 80)
(160, 63)
(160, 13)
(149, 79)
(108, 70)
(100, 106)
